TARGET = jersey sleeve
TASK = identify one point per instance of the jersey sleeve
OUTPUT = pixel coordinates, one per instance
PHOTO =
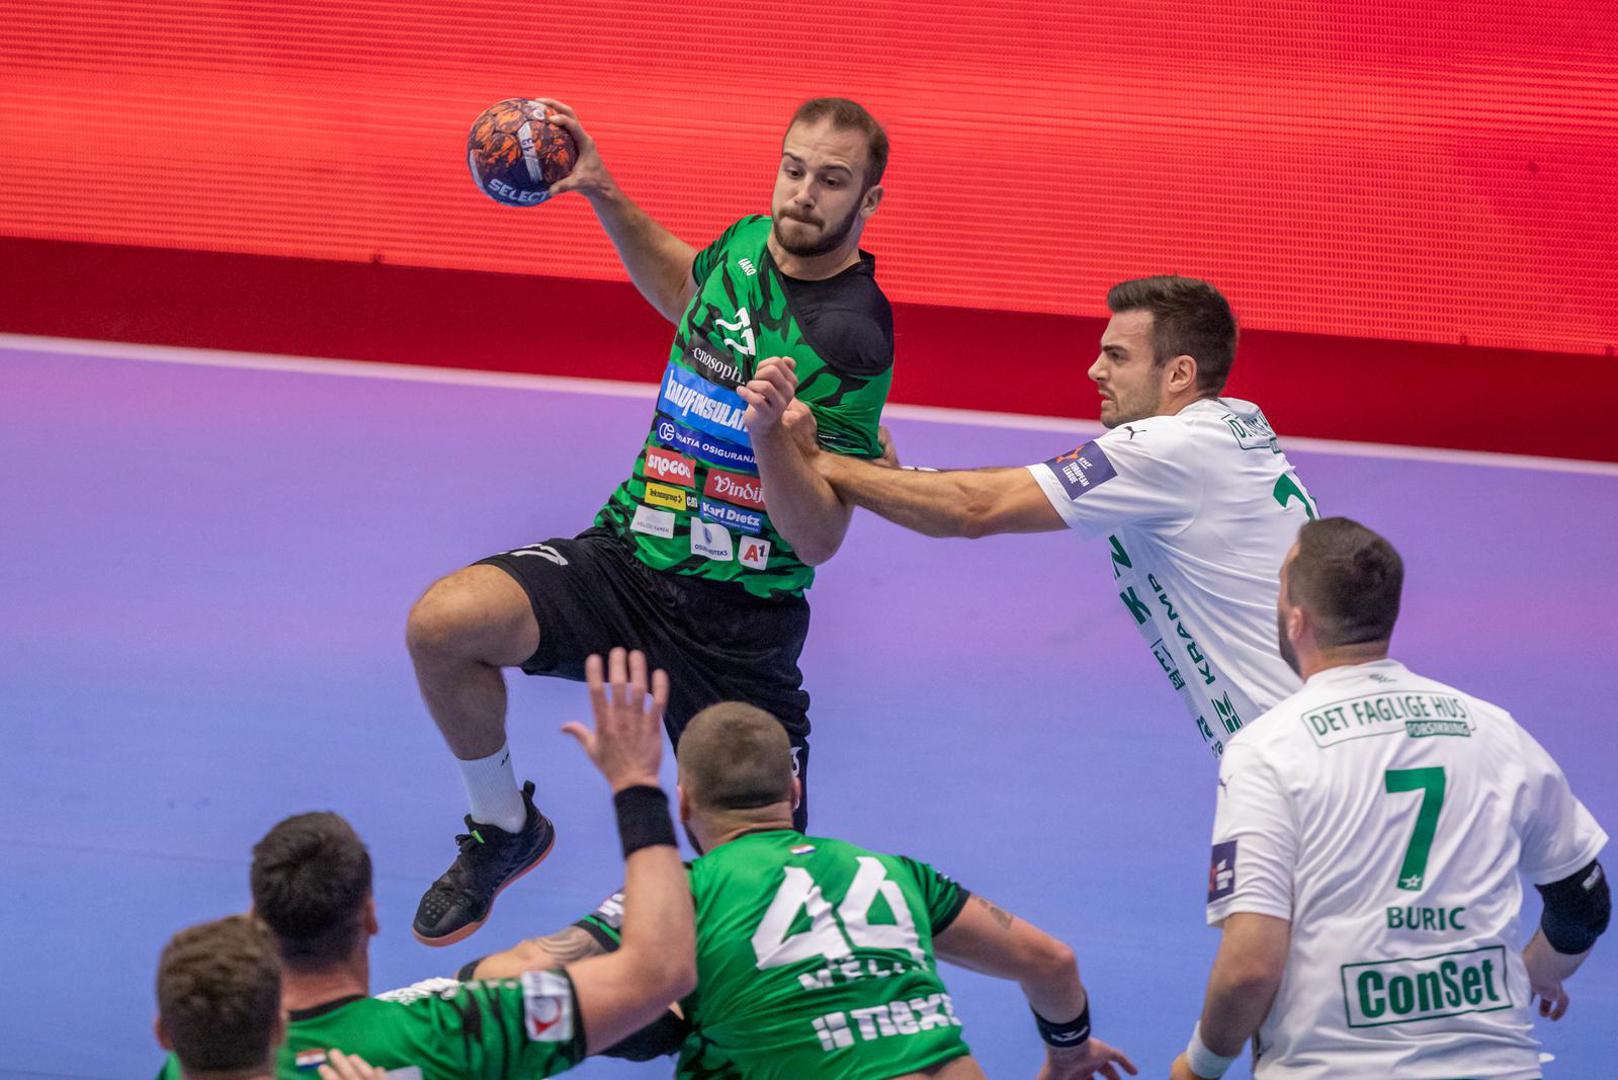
(1559, 834)
(1255, 840)
(943, 898)
(714, 254)
(1140, 473)
(528, 1026)
(606, 923)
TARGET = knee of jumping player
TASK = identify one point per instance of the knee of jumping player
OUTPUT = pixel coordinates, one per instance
(477, 614)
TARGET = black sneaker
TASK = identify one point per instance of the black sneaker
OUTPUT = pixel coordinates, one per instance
(490, 859)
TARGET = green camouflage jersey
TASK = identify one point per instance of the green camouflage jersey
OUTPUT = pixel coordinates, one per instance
(441, 1030)
(814, 958)
(695, 505)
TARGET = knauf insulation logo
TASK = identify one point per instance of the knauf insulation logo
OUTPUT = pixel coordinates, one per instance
(695, 401)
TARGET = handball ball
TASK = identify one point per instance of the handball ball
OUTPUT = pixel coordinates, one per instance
(516, 153)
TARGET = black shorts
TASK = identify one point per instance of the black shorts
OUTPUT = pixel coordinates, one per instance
(716, 641)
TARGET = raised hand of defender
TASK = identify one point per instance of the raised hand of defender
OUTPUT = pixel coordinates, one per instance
(1094, 1058)
(589, 176)
(627, 742)
(768, 393)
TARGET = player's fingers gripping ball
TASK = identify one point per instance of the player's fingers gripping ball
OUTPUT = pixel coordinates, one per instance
(516, 153)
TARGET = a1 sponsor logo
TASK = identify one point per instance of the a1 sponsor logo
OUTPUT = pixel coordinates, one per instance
(670, 498)
(670, 467)
(755, 555)
(735, 488)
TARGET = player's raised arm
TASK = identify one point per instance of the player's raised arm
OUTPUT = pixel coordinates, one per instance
(986, 939)
(659, 263)
(622, 992)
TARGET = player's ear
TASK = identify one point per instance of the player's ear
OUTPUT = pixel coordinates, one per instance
(797, 793)
(372, 927)
(871, 200)
(161, 1030)
(1182, 373)
(1299, 625)
(685, 803)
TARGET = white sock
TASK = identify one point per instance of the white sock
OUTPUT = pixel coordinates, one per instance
(491, 789)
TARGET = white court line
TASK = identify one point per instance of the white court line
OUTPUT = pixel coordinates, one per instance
(369, 369)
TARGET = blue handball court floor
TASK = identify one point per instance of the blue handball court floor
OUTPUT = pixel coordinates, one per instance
(205, 565)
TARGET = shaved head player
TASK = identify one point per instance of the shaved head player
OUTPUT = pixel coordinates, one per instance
(1189, 489)
(702, 556)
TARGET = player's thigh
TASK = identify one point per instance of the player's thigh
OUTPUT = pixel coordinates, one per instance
(479, 613)
(588, 596)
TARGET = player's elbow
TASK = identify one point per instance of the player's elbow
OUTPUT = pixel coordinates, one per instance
(1054, 961)
(1251, 977)
(814, 553)
(978, 516)
(676, 971)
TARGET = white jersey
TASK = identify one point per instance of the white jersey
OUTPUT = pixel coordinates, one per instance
(1199, 510)
(1386, 816)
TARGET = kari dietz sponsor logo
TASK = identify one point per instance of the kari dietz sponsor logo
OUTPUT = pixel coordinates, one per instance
(746, 521)
(735, 488)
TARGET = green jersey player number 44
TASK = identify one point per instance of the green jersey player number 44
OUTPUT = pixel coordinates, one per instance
(819, 958)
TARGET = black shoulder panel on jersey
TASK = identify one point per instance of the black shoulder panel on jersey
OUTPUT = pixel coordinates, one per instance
(1577, 910)
(948, 918)
(846, 318)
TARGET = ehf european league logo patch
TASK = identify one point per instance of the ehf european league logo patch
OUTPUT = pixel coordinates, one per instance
(1081, 470)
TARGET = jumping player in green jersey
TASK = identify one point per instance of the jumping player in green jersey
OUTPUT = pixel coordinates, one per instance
(702, 555)
(819, 958)
(311, 881)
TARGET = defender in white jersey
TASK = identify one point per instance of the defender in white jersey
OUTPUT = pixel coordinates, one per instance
(1190, 489)
(1367, 845)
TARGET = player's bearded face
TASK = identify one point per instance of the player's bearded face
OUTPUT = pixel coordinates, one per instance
(819, 190)
(1128, 378)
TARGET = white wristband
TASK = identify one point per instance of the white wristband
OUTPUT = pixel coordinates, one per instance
(1203, 1061)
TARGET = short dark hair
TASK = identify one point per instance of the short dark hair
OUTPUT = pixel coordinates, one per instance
(311, 877)
(849, 115)
(219, 995)
(735, 757)
(1348, 578)
(1189, 318)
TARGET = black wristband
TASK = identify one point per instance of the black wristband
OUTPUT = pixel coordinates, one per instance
(643, 818)
(1073, 1033)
